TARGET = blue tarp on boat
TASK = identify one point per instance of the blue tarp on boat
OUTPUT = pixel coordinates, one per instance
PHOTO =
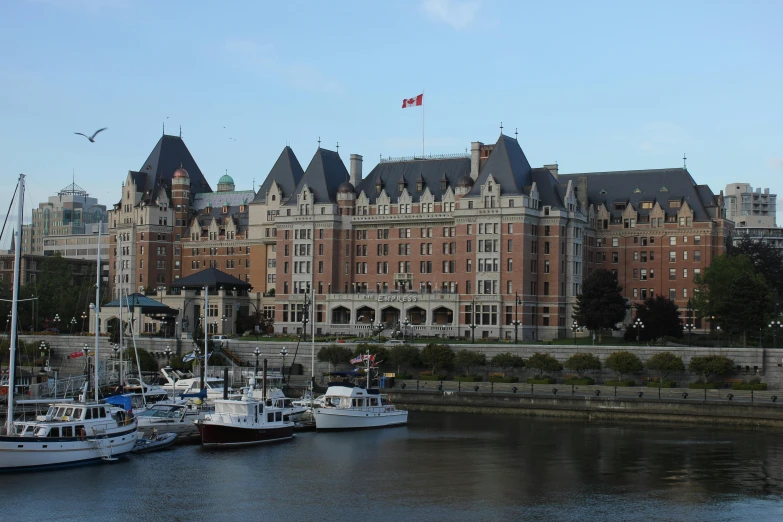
(123, 401)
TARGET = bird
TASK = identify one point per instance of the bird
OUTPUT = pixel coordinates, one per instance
(91, 138)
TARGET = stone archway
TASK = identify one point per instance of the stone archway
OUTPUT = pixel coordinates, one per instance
(416, 315)
(390, 316)
(365, 315)
(341, 315)
(442, 316)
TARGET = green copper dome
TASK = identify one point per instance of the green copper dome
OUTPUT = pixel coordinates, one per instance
(225, 178)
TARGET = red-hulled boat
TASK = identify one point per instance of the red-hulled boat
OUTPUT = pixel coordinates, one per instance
(244, 421)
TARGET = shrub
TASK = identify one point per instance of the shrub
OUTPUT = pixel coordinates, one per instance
(404, 376)
(543, 362)
(507, 361)
(706, 365)
(664, 364)
(702, 385)
(620, 382)
(468, 360)
(469, 378)
(585, 381)
(757, 386)
(541, 380)
(583, 362)
(662, 384)
(499, 378)
(623, 363)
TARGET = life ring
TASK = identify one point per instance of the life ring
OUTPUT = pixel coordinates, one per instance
(4, 390)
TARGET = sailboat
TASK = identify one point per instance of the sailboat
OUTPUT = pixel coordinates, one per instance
(70, 433)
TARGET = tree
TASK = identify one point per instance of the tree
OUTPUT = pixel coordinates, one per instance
(623, 363)
(507, 361)
(469, 359)
(583, 362)
(706, 365)
(601, 303)
(404, 354)
(767, 260)
(664, 364)
(543, 362)
(437, 356)
(736, 296)
(334, 355)
(660, 317)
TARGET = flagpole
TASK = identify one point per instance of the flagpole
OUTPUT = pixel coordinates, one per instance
(422, 123)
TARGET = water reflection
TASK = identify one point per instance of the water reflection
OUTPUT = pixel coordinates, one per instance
(442, 466)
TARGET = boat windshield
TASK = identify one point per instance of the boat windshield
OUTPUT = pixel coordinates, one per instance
(215, 384)
(159, 412)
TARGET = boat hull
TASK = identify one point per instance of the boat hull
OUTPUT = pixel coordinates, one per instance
(32, 453)
(334, 419)
(225, 435)
(184, 429)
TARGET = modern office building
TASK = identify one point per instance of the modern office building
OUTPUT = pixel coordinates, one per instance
(747, 207)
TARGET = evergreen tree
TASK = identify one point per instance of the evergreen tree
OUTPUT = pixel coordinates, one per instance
(601, 303)
(660, 318)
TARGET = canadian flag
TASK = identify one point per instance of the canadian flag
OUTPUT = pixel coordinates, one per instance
(413, 102)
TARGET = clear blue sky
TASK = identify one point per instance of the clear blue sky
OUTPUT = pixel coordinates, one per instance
(592, 85)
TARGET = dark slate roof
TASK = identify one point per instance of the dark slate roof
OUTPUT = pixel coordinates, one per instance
(549, 193)
(211, 277)
(508, 165)
(142, 302)
(287, 172)
(325, 173)
(221, 199)
(621, 186)
(431, 171)
(169, 154)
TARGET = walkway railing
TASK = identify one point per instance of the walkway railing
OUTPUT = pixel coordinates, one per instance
(598, 390)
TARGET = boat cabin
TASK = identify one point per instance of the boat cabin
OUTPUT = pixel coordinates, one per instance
(245, 411)
(69, 420)
(352, 397)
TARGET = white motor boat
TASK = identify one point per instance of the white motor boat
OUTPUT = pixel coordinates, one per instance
(178, 417)
(350, 407)
(244, 421)
(151, 392)
(69, 434)
(192, 385)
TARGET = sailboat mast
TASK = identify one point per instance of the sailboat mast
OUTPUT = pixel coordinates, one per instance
(14, 309)
(206, 335)
(97, 305)
(121, 373)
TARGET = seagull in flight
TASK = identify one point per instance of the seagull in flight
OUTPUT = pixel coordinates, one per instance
(91, 138)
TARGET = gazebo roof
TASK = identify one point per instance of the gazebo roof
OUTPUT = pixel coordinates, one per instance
(211, 277)
(143, 303)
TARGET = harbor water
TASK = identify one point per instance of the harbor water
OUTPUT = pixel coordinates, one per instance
(439, 467)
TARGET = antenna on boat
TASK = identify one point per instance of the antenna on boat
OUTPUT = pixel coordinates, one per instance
(97, 305)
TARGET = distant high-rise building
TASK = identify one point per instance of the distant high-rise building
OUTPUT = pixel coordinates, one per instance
(71, 214)
(748, 207)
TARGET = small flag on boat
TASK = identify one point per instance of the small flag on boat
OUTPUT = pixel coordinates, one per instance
(74, 355)
(189, 357)
(357, 359)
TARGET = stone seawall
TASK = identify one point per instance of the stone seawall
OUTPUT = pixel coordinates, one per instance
(725, 414)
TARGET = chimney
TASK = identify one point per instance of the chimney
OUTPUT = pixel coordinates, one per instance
(552, 169)
(581, 192)
(356, 169)
(475, 158)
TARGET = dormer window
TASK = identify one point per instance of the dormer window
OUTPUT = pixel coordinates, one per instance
(225, 209)
(378, 187)
(419, 186)
(489, 186)
(444, 184)
(304, 196)
(241, 208)
(400, 186)
(206, 210)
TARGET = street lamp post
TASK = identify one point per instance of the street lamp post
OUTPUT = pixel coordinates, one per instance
(283, 352)
(575, 328)
(473, 322)
(84, 316)
(56, 321)
(257, 351)
(44, 351)
(638, 324)
(379, 326)
(405, 324)
(168, 353)
(690, 327)
(718, 330)
(775, 325)
(73, 323)
(516, 317)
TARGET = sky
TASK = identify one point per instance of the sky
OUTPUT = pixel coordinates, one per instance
(593, 86)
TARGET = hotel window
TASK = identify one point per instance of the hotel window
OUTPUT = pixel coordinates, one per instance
(697, 255)
(636, 273)
(643, 275)
(672, 274)
(672, 256)
(684, 255)
(672, 293)
(672, 240)
(546, 267)
(684, 273)
(615, 241)
(635, 293)
(697, 240)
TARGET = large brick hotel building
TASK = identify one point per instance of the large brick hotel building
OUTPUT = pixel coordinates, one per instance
(442, 243)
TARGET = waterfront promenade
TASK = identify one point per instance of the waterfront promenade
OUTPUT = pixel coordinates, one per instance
(718, 407)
